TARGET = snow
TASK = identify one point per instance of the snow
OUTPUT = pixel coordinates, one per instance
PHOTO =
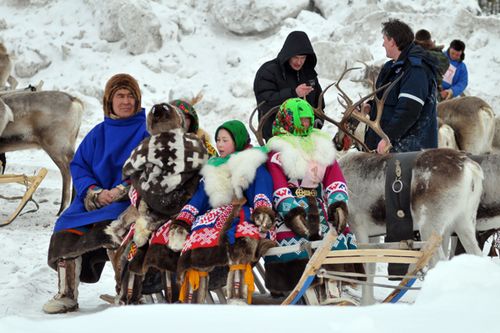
(176, 49)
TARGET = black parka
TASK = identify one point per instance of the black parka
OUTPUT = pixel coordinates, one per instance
(275, 81)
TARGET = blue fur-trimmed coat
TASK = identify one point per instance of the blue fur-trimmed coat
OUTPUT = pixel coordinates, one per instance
(98, 161)
(243, 175)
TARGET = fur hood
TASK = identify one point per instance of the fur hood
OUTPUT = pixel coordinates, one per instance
(295, 160)
(230, 179)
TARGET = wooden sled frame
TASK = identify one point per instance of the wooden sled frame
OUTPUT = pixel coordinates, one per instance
(31, 183)
(366, 253)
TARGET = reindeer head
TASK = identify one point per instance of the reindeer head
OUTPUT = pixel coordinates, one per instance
(164, 117)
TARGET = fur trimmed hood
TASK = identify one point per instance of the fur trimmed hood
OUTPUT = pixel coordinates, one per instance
(295, 159)
(230, 179)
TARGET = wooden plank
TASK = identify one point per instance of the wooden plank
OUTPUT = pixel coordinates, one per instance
(375, 252)
(371, 259)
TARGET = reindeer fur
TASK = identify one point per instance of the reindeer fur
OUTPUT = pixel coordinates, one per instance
(49, 120)
(472, 120)
(445, 190)
(5, 69)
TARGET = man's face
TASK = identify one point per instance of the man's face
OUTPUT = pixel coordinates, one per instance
(391, 49)
(296, 62)
(123, 103)
(454, 54)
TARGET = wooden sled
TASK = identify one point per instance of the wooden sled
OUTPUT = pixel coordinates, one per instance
(401, 252)
(31, 183)
(417, 254)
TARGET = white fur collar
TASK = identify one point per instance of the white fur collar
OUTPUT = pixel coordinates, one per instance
(230, 179)
(295, 161)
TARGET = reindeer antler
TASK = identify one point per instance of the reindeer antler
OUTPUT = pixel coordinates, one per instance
(354, 109)
(258, 132)
(321, 114)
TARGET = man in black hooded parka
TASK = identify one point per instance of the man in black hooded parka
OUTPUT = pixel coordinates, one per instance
(290, 74)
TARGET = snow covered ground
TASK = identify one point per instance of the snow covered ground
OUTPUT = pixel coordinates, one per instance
(176, 49)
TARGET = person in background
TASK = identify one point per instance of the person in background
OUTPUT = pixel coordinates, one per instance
(409, 116)
(290, 74)
(424, 39)
(78, 246)
(456, 78)
(192, 123)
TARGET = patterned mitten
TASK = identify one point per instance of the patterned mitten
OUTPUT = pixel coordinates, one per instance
(91, 202)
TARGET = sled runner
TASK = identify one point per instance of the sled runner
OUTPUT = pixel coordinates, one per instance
(31, 183)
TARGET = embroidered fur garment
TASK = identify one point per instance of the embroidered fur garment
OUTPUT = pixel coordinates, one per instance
(164, 169)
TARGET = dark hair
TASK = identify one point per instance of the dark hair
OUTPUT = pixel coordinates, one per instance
(399, 31)
(458, 45)
(422, 35)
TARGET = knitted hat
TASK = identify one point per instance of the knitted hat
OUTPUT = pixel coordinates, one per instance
(188, 109)
(116, 82)
(238, 133)
(288, 117)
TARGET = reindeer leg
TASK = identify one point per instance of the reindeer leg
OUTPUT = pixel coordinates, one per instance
(467, 234)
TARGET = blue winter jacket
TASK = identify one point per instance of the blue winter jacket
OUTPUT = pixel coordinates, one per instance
(458, 75)
(98, 161)
(409, 116)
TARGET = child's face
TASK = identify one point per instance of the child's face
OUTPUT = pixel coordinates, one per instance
(225, 143)
(306, 122)
(187, 122)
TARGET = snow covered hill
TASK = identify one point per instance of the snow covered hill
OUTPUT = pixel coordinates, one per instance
(176, 49)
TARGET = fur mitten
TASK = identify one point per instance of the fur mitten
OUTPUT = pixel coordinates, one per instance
(296, 220)
(141, 232)
(333, 215)
(177, 235)
(122, 192)
(263, 217)
(119, 227)
(91, 202)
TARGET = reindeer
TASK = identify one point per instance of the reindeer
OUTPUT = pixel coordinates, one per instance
(49, 120)
(446, 185)
(472, 121)
(496, 136)
(5, 69)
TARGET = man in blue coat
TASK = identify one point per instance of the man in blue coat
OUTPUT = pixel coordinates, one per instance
(78, 245)
(456, 78)
(409, 115)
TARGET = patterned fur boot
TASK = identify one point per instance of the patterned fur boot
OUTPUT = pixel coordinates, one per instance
(66, 300)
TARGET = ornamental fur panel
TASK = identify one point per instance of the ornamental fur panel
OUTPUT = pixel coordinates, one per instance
(232, 178)
(164, 169)
(295, 162)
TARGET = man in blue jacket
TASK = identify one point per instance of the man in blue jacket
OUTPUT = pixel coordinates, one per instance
(409, 114)
(456, 78)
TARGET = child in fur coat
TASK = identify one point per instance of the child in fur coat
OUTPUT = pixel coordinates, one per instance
(308, 188)
(164, 170)
(228, 220)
